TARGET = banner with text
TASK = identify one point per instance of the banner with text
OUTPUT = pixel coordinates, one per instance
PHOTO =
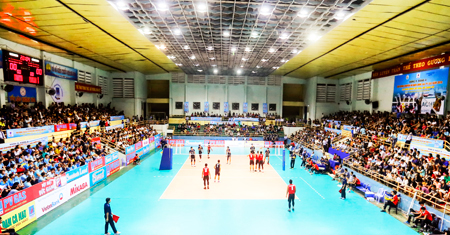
(61, 71)
(21, 132)
(82, 87)
(23, 144)
(22, 94)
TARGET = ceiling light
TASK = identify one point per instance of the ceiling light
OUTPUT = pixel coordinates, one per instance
(264, 60)
(275, 67)
(196, 65)
(244, 59)
(265, 10)
(161, 47)
(145, 31)
(179, 64)
(171, 57)
(242, 66)
(213, 65)
(210, 48)
(282, 61)
(212, 58)
(247, 49)
(202, 7)
(303, 14)
(215, 70)
(257, 66)
(238, 71)
(284, 36)
(348, 16)
(271, 50)
(177, 31)
(340, 15)
(233, 49)
(186, 47)
(294, 51)
(192, 57)
(253, 71)
(199, 70)
(313, 37)
(254, 34)
(226, 34)
(162, 6)
(122, 5)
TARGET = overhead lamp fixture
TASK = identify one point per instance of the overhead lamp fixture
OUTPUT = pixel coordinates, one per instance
(247, 49)
(179, 65)
(199, 70)
(254, 34)
(161, 47)
(257, 66)
(275, 67)
(171, 57)
(196, 65)
(253, 71)
(162, 6)
(186, 47)
(265, 10)
(340, 15)
(313, 37)
(202, 7)
(122, 5)
(210, 48)
(295, 51)
(226, 34)
(282, 61)
(212, 58)
(303, 13)
(233, 49)
(242, 66)
(213, 65)
(264, 60)
(284, 36)
(271, 50)
(244, 59)
(215, 71)
(192, 57)
(177, 31)
(238, 71)
(145, 31)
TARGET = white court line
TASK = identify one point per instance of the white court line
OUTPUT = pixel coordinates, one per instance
(172, 180)
(312, 188)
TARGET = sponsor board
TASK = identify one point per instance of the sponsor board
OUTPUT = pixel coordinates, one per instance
(130, 158)
(111, 157)
(77, 186)
(257, 144)
(176, 142)
(145, 142)
(157, 140)
(97, 176)
(138, 145)
(97, 164)
(21, 132)
(193, 143)
(234, 143)
(114, 127)
(333, 130)
(115, 118)
(215, 143)
(45, 204)
(77, 173)
(268, 144)
(20, 217)
(130, 149)
(112, 167)
(45, 187)
(425, 151)
(23, 144)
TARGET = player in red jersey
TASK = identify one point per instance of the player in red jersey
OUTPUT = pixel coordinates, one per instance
(206, 176)
(291, 190)
(252, 161)
(261, 162)
(209, 150)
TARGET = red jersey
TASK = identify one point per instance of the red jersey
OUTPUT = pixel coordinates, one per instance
(252, 156)
(395, 200)
(427, 215)
(260, 157)
(209, 147)
(358, 182)
(205, 171)
(291, 188)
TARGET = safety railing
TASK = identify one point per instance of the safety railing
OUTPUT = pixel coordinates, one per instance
(112, 145)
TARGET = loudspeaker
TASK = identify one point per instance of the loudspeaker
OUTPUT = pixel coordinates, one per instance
(367, 101)
(8, 88)
(100, 96)
(79, 94)
(348, 102)
(51, 91)
(375, 104)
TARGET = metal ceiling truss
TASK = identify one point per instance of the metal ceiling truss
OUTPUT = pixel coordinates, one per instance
(263, 39)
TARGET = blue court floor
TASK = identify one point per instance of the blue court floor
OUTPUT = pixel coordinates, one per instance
(136, 199)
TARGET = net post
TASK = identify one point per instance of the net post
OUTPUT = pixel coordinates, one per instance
(284, 160)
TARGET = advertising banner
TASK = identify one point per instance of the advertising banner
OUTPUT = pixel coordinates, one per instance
(47, 203)
(130, 157)
(18, 199)
(176, 142)
(114, 127)
(279, 143)
(44, 187)
(146, 142)
(148, 148)
(21, 132)
(96, 164)
(193, 143)
(226, 108)
(333, 130)
(115, 118)
(265, 108)
(215, 143)
(22, 94)
(130, 149)
(72, 126)
(61, 71)
(111, 157)
(97, 176)
(96, 140)
(421, 92)
(186, 107)
(245, 107)
(20, 217)
(112, 167)
(82, 87)
(157, 140)
(152, 143)
(425, 151)
(245, 119)
(257, 144)
(94, 123)
(61, 127)
(206, 107)
(23, 144)
(138, 145)
(77, 173)
(77, 186)
(427, 142)
(268, 144)
(206, 118)
(348, 128)
(139, 152)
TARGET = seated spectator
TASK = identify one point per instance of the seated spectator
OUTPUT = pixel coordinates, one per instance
(391, 200)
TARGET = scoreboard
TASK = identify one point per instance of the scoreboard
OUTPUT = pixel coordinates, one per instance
(22, 68)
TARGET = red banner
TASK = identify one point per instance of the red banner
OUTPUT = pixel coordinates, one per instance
(96, 140)
(97, 164)
(61, 127)
(423, 64)
(113, 167)
(72, 126)
(279, 143)
(268, 144)
(176, 142)
(87, 88)
(215, 143)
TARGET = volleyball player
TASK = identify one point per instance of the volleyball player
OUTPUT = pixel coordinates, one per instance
(209, 149)
(217, 171)
(261, 162)
(228, 155)
(291, 190)
(252, 148)
(200, 151)
(206, 176)
(192, 153)
(252, 161)
(267, 156)
(256, 160)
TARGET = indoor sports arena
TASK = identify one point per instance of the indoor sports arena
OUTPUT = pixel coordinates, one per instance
(316, 117)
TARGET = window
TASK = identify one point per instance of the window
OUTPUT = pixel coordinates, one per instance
(363, 91)
(256, 81)
(123, 87)
(103, 83)
(346, 92)
(84, 77)
(326, 93)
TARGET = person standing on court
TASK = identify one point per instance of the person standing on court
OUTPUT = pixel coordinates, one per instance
(217, 171)
(290, 194)
(344, 187)
(292, 159)
(109, 217)
(206, 176)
